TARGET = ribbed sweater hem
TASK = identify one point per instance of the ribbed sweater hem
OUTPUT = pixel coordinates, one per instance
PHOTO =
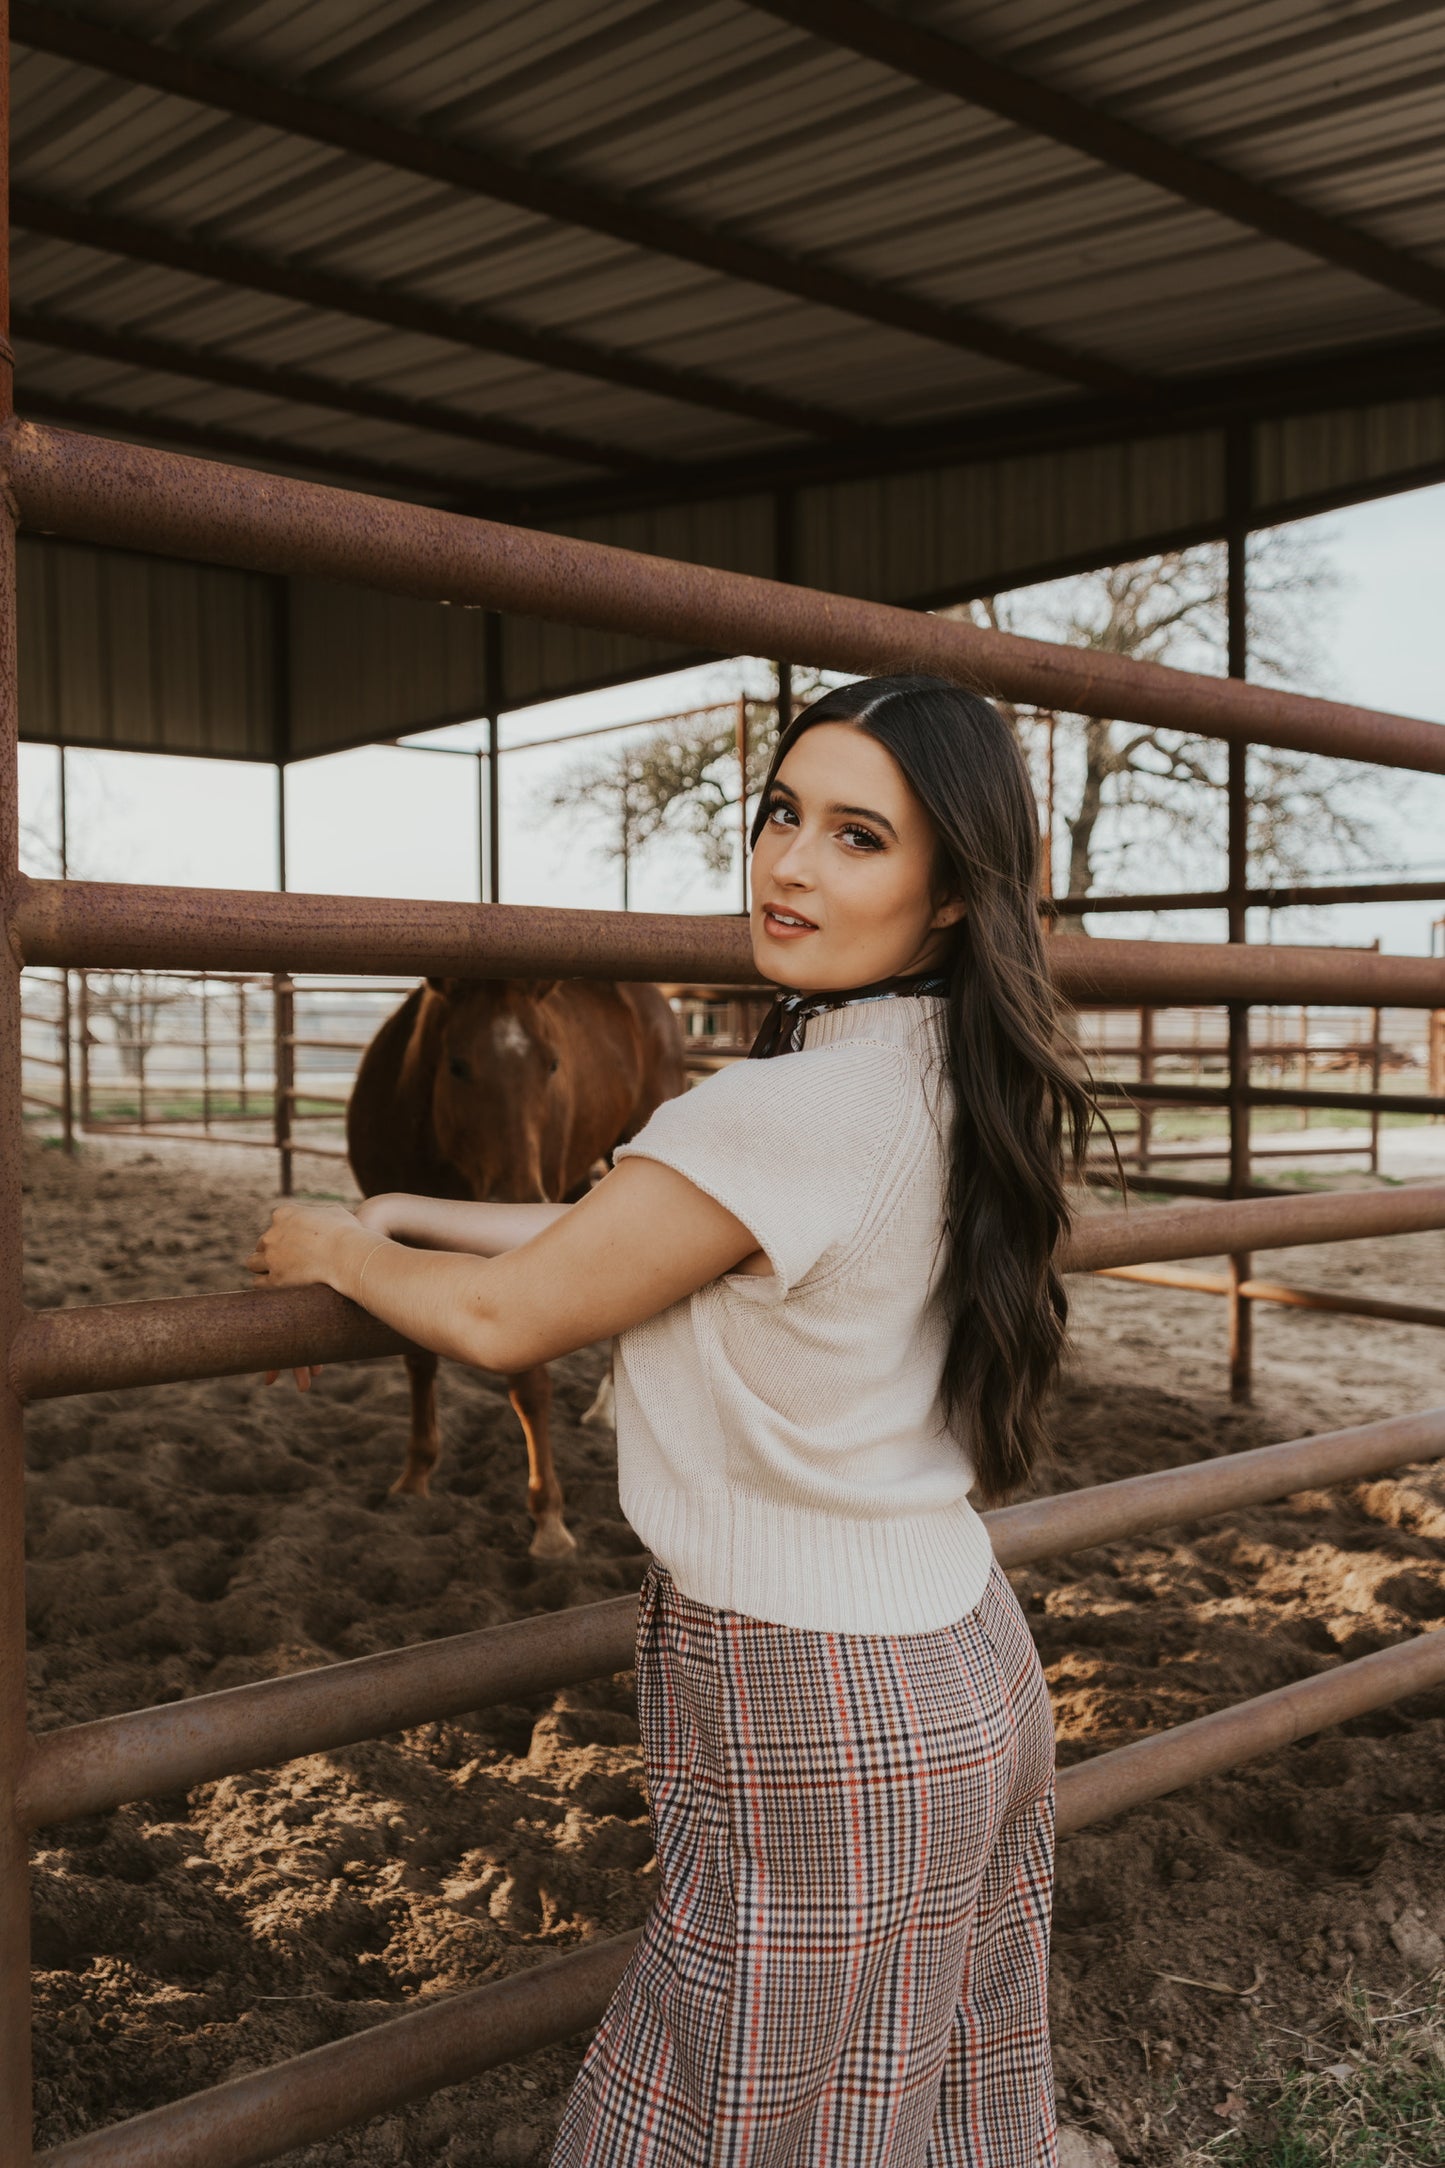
(821, 1572)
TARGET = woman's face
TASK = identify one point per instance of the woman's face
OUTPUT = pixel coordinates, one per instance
(842, 874)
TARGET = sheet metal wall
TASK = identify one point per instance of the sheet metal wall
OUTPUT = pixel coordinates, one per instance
(737, 535)
(149, 655)
(950, 530)
(364, 665)
(1344, 454)
(142, 654)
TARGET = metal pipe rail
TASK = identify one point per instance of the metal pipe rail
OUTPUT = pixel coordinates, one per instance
(1304, 897)
(214, 1135)
(251, 2119)
(129, 496)
(309, 2097)
(90, 1768)
(110, 1346)
(1070, 1521)
(1269, 1095)
(1293, 1298)
(124, 926)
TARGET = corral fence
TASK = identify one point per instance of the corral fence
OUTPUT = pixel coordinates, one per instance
(255, 1059)
(121, 495)
(260, 1060)
(269, 1060)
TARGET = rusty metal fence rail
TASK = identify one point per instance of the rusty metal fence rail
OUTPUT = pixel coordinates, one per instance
(251, 2119)
(121, 494)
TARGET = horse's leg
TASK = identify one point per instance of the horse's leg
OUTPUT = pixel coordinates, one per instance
(424, 1445)
(530, 1392)
(602, 1415)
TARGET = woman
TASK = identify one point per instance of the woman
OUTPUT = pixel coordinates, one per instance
(832, 1282)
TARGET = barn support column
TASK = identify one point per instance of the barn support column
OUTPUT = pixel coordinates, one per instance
(784, 568)
(492, 672)
(281, 825)
(15, 2123)
(486, 764)
(1238, 492)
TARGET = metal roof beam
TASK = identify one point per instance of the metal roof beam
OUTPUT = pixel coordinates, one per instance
(213, 366)
(474, 328)
(561, 198)
(215, 441)
(1359, 376)
(945, 63)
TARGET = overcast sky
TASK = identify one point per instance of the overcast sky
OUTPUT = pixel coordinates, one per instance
(399, 822)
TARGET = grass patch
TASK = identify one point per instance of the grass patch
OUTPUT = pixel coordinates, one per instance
(1368, 2091)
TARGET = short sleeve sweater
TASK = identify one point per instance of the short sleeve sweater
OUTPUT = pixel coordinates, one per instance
(781, 1445)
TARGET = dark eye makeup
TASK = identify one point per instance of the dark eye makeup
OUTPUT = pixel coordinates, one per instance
(853, 829)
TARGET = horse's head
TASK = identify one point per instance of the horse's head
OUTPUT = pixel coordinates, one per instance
(503, 1091)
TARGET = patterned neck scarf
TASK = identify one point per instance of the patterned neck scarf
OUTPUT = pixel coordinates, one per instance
(787, 1019)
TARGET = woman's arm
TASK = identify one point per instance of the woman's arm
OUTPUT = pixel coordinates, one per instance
(641, 1240)
(449, 1223)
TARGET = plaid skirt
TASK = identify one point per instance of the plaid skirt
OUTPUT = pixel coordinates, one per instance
(847, 1961)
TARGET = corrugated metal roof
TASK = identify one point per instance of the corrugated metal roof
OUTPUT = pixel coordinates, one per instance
(194, 266)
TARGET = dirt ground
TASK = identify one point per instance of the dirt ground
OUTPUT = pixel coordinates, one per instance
(195, 1536)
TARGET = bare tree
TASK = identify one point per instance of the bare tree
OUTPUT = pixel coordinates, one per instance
(612, 788)
(1134, 793)
(133, 1003)
(684, 779)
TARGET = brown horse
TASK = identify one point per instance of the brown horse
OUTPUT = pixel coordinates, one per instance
(507, 1091)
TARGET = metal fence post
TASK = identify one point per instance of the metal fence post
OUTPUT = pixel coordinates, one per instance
(1376, 1051)
(241, 1047)
(15, 2123)
(742, 745)
(203, 989)
(283, 1001)
(1237, 500)
(83, 1047)
(1145, 1118)
(142, 1056)
(14, 1852)
(67, 1073)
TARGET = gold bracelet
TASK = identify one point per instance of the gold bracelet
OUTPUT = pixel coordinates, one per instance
(361, 1276)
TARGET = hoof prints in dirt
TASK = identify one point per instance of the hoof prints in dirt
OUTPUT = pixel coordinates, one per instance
(201, 1535)
(183, 1942)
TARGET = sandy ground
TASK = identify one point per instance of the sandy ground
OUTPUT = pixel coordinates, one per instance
(196, 1536)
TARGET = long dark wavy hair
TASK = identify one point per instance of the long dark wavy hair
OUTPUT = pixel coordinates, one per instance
(1021, 1116)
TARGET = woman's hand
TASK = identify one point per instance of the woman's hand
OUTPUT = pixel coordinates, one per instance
(565, 1275)
(299, 1247)
(295, 1251)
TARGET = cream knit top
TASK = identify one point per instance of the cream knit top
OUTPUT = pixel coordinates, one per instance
(781, 1447)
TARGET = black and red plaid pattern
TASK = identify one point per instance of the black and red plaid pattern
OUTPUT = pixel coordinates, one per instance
(847, 1962)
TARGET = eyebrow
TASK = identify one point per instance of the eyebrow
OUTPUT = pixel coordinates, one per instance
(863, 812)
